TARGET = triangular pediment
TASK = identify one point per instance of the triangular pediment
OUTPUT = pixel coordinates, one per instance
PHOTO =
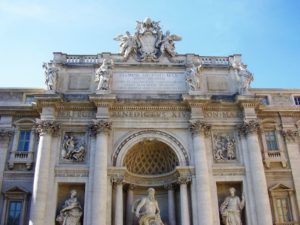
(280, 187)
(16, 189)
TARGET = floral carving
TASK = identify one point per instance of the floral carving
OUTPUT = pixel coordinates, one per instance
(199, 126)
(184, 179)
(290, 135)
(100, 126)
(117, 179)
(46, 127)
(249, 127)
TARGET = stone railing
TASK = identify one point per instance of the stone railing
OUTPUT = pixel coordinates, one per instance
(215, 61)
(79, 59)
(20, 157)
(274, 156)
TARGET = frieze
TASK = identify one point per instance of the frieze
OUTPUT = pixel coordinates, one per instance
(238, 171)
(76, 114)
(222, 114)
(151, 114)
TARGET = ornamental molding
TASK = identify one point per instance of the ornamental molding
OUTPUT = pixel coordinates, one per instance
(199, 126)
(99, 126)
(148, 43)
(46, 127)
(290, 135)
(136, 137)
(74, 172)
(249, 127)
(236, 171)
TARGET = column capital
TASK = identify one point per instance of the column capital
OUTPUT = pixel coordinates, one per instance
(99, 126)
(290, 135)
(46, 127)
(184, 179)
(249, 127)
(198, 126)
(6, 133)
(117, 179)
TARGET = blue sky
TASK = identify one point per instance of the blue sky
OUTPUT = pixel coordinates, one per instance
(265, 32)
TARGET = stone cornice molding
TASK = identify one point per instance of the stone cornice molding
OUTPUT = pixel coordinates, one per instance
(46, 127)
(48, 100)
(76, 106)
(196, 101)
(249, 127)
(290, 136)
(198, 126)
(103, 100)
(248, 101)
(99, 126)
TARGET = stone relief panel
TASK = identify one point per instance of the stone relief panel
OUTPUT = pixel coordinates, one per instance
(217, 83)
(224, 146)
(73, 147)
(282, 100)
(79, 82)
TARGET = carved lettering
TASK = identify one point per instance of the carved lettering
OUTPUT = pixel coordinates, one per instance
(76, 114)
(151, 114)
(222, 114)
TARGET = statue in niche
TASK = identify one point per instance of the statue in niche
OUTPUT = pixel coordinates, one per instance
(72, 149)
(168, 45)
(192, 79)
(128, 44)
(104, 74)
(231, 208)
(71, 211)
(147, 210)
(50, 75)
(224, 147)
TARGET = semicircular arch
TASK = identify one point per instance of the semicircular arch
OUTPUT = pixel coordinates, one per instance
(126, 144)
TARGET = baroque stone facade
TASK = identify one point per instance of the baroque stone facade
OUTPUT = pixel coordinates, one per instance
(109, 128)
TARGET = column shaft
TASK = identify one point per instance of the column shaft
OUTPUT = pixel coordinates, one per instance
(100, 180)
(40, 183)
(260, 188)
(204, 203)
(171, 206)
(129, 218)
(184, 206)
(119, 204)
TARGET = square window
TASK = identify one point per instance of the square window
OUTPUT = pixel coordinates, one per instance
(24, 140)
(271, 140)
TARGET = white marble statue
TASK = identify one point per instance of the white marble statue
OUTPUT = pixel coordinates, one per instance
(168, 45)
(192, 79)
(71, 211)
(103, 75)
(50, 76)
(245, 80)
(147, 210)
(231, 208)
(128, 44)
(72, 150)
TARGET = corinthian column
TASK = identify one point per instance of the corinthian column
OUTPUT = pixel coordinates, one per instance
(118, 182)
(256, 168)
(184, 205)
(202, 186)
(100, 128)
(129, 214)
(41, 174)
(171, 204)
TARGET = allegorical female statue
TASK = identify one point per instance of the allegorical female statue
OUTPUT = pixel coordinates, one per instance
(71, 211)
(231, 208)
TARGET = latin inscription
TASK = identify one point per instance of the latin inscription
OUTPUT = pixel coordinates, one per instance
(222, 114)
(151, 82)
(76, 114)
(151, 114)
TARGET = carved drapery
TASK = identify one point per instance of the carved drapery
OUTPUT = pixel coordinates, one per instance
(199, 126)
(224, 147)
(251, 126)
(290, 135)
(46, 127)
(100, 126)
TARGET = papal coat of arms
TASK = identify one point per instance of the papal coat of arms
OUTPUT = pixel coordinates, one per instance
(148, 43)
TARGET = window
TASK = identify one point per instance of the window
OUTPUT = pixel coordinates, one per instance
(271, 140)
(283, 209)
(24, 139)
(264, 100)
(297, 100)
(14, 212)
